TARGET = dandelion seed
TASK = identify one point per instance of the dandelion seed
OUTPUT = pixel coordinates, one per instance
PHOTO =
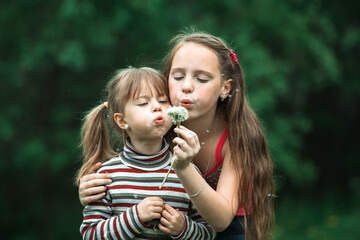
(178, 114)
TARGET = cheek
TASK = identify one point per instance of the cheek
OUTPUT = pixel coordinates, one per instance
(173, 90)
(171, 86)
(132, 118)
(206, 93)
(168, 122)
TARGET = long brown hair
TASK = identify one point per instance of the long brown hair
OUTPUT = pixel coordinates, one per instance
(249, 151)
(99, 123)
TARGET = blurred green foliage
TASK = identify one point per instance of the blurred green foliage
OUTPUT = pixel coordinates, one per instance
(300, 59)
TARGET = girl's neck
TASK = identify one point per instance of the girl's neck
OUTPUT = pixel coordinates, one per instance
(202, 124)
(147, 146)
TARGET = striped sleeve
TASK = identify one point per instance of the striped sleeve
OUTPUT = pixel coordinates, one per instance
(196, 227)
(100, 223)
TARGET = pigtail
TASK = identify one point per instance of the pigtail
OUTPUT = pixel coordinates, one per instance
(94, 140)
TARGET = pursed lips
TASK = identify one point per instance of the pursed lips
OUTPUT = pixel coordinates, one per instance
(186, 103)
(159, 120)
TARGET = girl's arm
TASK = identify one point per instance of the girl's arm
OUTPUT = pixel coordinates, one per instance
(219, 207)
(92, 186)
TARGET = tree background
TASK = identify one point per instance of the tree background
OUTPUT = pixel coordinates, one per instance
(301, 64)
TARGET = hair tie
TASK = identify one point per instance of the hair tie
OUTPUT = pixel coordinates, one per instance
(106, 104)
(233, 57)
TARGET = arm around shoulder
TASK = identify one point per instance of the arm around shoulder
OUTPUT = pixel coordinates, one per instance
(92, 186)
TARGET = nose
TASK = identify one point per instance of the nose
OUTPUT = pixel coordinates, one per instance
(156, 107)
(188, 85)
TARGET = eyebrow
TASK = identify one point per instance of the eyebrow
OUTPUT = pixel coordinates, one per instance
(148, 96)
(196, 71)
(143, 96)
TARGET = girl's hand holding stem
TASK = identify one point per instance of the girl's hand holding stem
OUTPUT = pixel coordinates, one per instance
(178, 115)
(187, 147)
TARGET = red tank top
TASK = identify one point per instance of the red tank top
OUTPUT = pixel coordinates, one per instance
(213, 175)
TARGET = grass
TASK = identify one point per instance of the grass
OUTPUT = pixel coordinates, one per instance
(318, 220)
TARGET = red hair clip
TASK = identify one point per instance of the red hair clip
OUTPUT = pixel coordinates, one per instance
(234, 58)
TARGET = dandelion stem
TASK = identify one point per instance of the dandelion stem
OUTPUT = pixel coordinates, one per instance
(167, 174)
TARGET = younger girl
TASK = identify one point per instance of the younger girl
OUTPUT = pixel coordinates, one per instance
(136, 108)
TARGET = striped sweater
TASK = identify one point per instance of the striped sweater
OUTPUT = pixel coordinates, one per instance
(136, 176)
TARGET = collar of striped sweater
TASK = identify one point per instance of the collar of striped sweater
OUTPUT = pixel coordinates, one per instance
(153, 162)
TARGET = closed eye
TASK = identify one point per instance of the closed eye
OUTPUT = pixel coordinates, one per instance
(202, 80)
(163, 99)
(177, 75)
(178, 78)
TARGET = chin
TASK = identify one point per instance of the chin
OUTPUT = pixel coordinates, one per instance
(160, 133)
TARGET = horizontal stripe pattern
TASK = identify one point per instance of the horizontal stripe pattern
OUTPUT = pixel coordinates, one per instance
(159, 160)
(115, 216)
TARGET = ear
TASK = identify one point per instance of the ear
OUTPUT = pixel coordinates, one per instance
(120, 121)
(227, 87)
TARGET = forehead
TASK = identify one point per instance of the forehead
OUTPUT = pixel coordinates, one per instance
(146, 87)
(194, 55)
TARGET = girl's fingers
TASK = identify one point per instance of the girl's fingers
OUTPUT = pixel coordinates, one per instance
(157, 201)
(170, 209)
(93, 176)
(182, 144)
(179, 153)
(157, 210)
(94, 190)
(96, 167)
(186, 145)
(95, 179)
(164, 229)
(92, 198)
(156, 215)
(170, 223)
(189, 136)
(182, 149)
(164, 221)
(95, 183)
(166, 215)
